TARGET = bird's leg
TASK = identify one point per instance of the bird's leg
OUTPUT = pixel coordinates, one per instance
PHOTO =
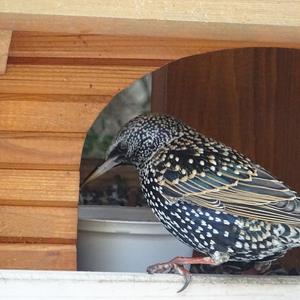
(176, 264)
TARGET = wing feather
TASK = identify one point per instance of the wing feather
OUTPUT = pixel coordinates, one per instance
(218, 177)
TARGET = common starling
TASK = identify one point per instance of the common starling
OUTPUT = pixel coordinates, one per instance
(208, 195)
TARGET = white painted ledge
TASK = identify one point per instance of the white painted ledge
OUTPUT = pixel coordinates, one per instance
(33, 285)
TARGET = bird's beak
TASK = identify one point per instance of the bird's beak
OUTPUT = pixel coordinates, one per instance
(106, 166)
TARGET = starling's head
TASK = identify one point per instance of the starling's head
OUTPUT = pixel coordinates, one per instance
(138, 140)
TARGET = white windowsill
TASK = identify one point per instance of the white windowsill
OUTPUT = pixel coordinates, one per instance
(17, 284)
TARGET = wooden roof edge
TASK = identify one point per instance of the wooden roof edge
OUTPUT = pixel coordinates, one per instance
(257, 20)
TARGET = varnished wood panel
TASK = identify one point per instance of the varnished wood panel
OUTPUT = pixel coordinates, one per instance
(71, 80)
(39, 187)
(38, 224)
(37, 256)
(36, 113)
(38, 150)
(248, 99)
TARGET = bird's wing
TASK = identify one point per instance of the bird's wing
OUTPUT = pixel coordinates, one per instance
(212, 175)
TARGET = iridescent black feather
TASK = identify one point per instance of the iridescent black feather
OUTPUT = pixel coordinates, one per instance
(208, 195)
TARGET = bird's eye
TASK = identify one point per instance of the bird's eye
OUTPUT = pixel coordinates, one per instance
(122, 146)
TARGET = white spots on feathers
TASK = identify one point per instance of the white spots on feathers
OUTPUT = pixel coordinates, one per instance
(226, 233)
(208, 234)
(238, 245)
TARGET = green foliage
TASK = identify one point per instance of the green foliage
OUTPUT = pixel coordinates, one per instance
(89, 142)
(126, 105)
(96, 145)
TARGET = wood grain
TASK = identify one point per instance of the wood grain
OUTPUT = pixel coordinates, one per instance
(61, 115)
(38, 224)
(38, 256)
(71, 80)
(38, 150)
(117, 48)
(39, 188)
(5, 38)
(228, 20)
(55, 98)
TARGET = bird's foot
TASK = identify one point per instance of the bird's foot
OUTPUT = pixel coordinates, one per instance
(169, 268)
(263, 267)
(176, 265)
(259, 268)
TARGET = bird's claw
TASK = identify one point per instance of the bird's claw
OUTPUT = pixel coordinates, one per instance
(170, 267)
(187, 279)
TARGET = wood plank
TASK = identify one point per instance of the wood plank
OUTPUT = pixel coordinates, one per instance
(5, 38)
(59, 45)
(37, 256)
(38, 224)
(71, 80)
(51, 151)
(39, 188)
(60, 114)
(238, 20)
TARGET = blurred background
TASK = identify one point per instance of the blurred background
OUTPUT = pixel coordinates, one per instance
(120, 185)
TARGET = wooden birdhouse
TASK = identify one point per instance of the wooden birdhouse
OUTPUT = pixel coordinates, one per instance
(229, 68)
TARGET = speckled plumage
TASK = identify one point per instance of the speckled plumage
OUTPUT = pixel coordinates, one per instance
(208, 195)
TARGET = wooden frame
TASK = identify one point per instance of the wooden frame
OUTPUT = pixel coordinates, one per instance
(54, 80)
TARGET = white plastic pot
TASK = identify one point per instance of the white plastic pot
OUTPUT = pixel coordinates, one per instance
(123, 239)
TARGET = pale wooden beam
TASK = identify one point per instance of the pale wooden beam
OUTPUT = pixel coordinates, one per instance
(5, 38)
(18, 284)
(256, 20)
(267, 12)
